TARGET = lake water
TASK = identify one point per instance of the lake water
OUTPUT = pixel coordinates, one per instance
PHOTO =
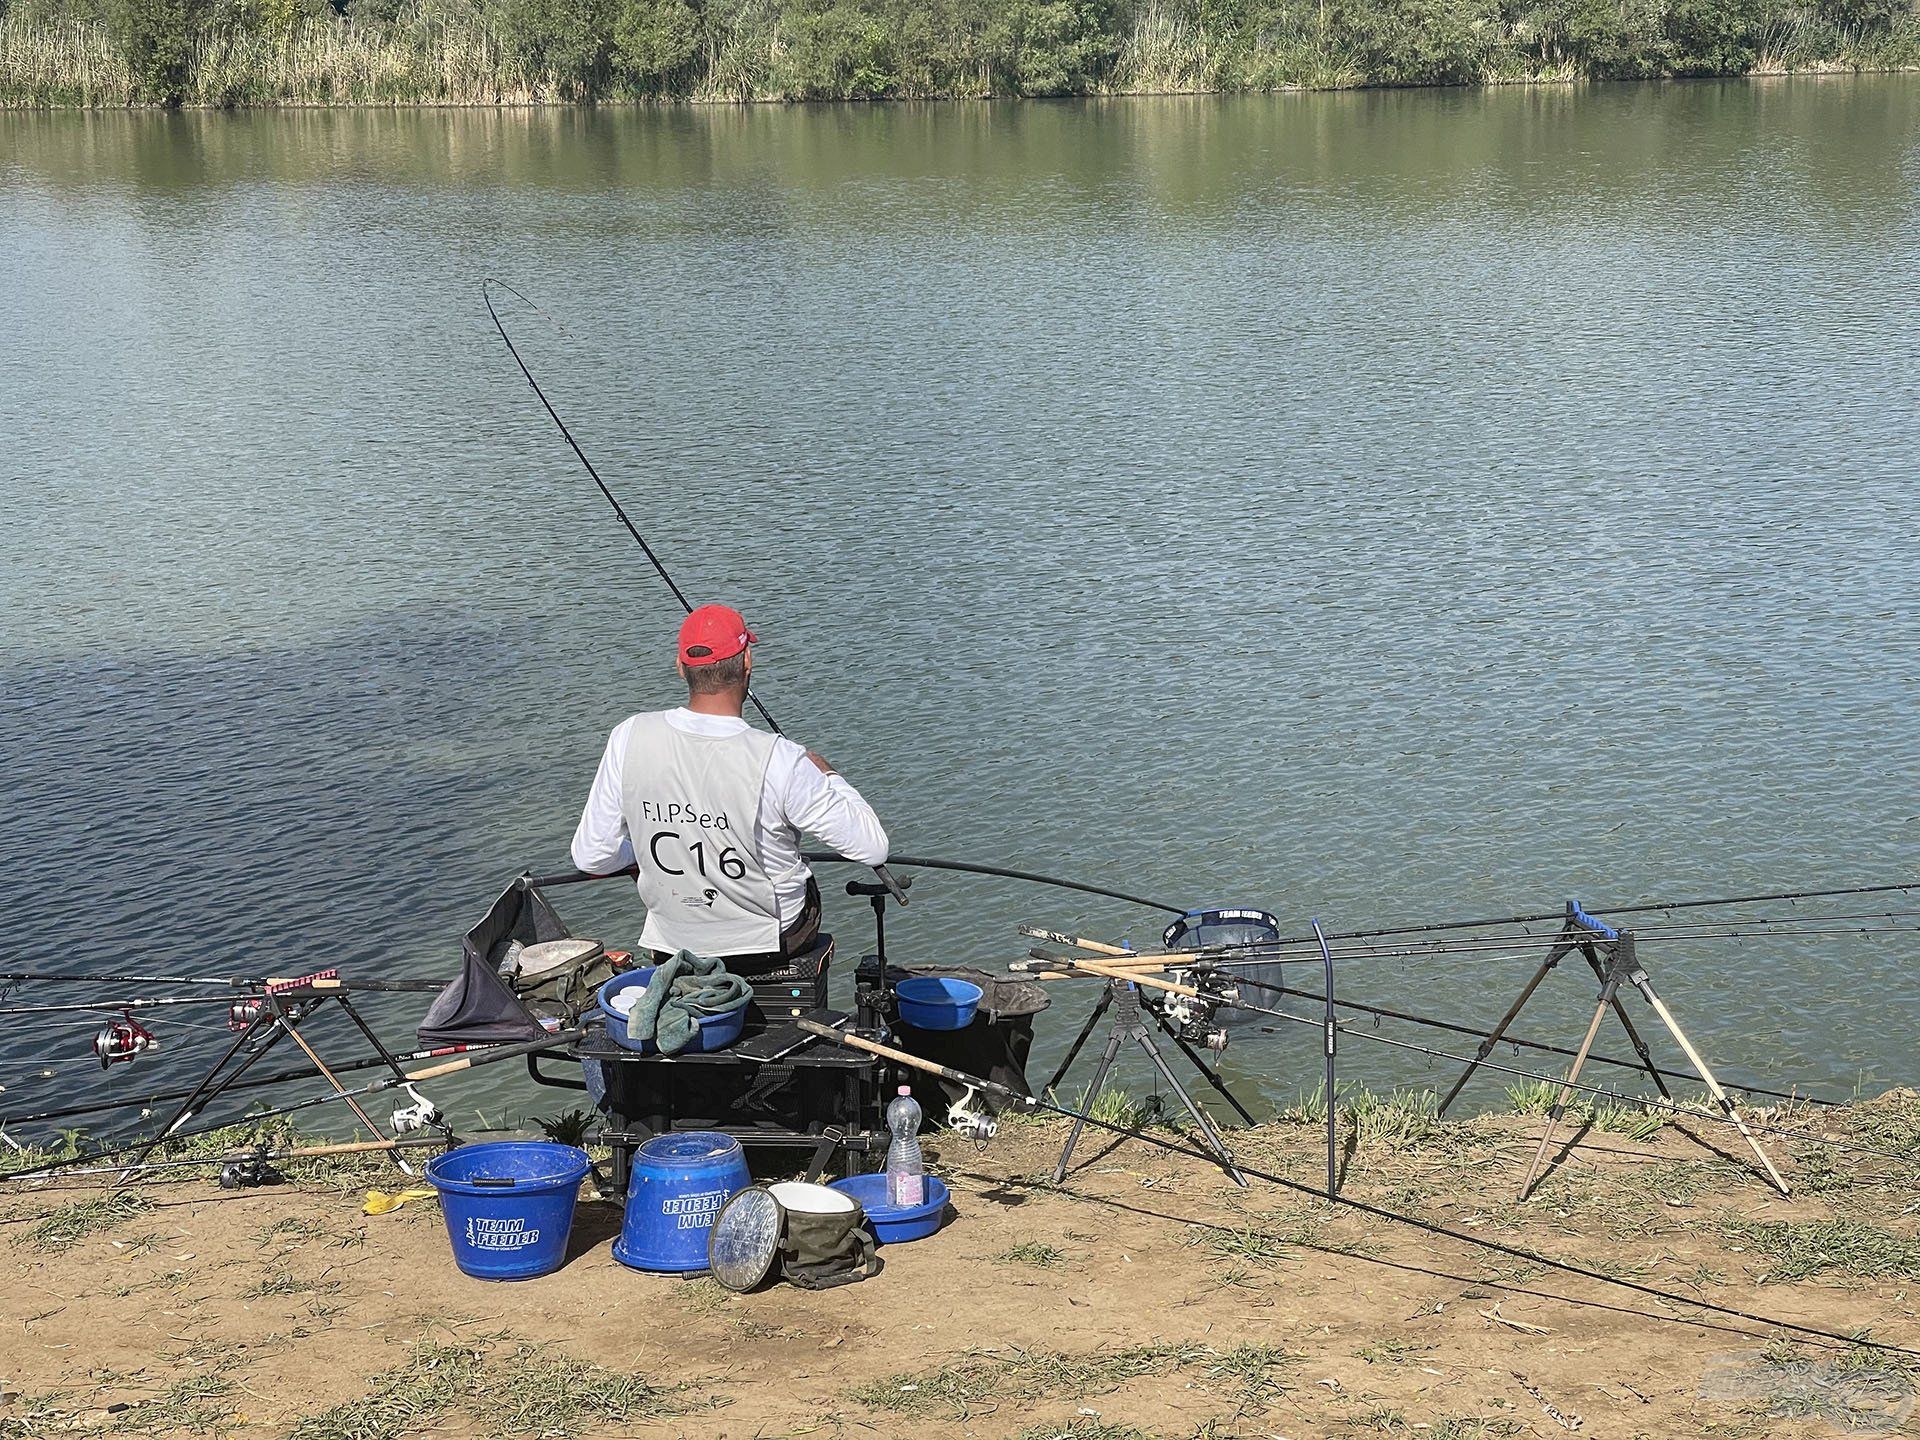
(1380, 507)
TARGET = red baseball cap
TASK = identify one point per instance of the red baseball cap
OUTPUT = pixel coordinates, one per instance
(713, 633)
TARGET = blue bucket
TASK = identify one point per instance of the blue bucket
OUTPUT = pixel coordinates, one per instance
(937, 1002)
(679, 1183)
(893, 1225)
(509, 1205)
(716, 1031)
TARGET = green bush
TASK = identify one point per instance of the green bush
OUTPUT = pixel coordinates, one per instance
(564, 43)
(655, 42)
(835, 50)
(1713, 37)
(1864, 17)
(1607, 39)
(155, 37)
(1419, 42)
(1053, 47)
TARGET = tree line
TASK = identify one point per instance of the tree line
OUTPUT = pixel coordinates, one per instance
(170, 52)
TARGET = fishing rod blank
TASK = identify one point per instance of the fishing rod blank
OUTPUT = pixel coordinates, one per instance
(893, 886)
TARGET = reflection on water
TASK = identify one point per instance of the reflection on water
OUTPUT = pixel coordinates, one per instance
(1374, 506)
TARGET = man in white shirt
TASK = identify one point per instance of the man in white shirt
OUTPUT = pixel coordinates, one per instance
(708, 811)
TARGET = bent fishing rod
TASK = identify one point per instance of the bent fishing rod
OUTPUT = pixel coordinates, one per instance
(1032, 1103)
(894, 888)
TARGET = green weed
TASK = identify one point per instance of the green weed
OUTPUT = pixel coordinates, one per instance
(1032, 1252)
(1802, 1249)
(63, 1228)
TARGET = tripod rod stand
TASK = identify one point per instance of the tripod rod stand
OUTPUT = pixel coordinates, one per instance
(1129, 1024)
(1615, 961)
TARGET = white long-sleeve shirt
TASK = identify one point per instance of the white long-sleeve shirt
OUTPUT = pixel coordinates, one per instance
(797, 796)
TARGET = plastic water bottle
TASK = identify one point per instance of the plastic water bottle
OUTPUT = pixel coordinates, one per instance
(906, 1172)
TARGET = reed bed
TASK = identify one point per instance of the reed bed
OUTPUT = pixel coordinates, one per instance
(63, 64)
(521, 52)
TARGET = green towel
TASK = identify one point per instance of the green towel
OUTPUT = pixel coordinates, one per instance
(685, 988)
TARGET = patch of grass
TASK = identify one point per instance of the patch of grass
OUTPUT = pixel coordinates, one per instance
(1085, 1428)
(1116, 1107)
(703, 1296)
(1531, 1097)
(1802, 1249)
(1617, 1117)
(1310, 1109)
(1891, 1122)
(1471, 1427)
(407, 1397)
(1398, 1120)
(1032, 1252)
(281, 1282)
(1254, 1371)
(61, 1229)
(954, 1388)
(290, 1227)
(1635, 1122)
(195, 1403)
(1248, 1246)
(1390, 1352)
(574, 1127)
(527, 1390)
(538, 1390)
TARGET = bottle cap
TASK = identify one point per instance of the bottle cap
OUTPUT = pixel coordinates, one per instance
(906, 1089)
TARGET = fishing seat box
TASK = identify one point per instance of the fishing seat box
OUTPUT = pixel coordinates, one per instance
(788, 991)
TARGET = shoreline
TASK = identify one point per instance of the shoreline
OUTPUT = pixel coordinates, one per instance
(712, 104)
(1147, 1298)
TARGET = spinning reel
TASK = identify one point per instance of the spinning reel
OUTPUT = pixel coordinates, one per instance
(121, 1040)
(243, 1015)
(423, 1114)
(968, 1119)
(1193, 1017)
(249, 1172)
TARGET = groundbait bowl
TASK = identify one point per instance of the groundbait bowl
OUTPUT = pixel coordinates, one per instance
(508, 1205)
(680, 1183)
(937, 1002)
(894, 1224)
(716, 1031)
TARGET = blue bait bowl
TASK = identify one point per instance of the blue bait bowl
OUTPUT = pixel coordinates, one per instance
(680, 1183)
(894, 1225)
(716, 1031)
(937, 1002)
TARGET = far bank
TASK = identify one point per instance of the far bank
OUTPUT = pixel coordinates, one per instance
(233, 53)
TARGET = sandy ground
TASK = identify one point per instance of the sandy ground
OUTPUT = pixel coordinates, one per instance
(1146, 1297)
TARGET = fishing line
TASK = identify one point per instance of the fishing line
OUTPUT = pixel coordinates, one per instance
(485, 1056)
(1637, 1101)
(1643, 1102)
(1641, 909)
(659, 569)
(886, 878)
(1541, 1045)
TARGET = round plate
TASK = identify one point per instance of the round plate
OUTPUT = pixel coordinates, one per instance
(550, 955)
(745, 1239)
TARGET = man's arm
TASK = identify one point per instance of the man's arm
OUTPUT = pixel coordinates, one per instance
(822, 803)
(601, 845)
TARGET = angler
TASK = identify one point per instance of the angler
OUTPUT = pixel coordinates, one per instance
(707, 811)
